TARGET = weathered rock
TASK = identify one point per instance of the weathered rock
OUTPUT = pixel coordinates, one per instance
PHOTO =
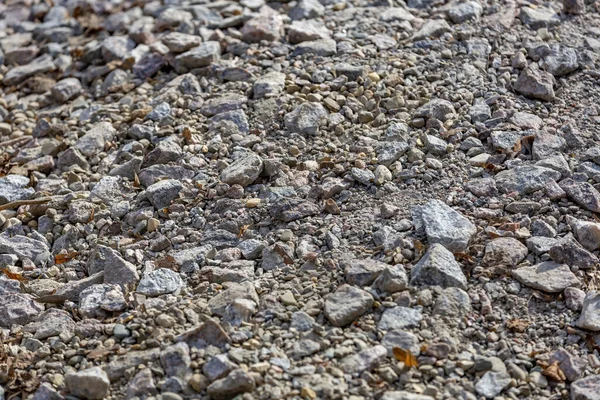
(362, 272)
(392, 279)
(243, 171)
(160, 281)
(562, 60)
(525, 179)
(365, 360)
(346, 304)
(116, 269)
(101, 300)
(492, 384)
(245, 290)
(13, 188)
(568, 251)
(237, 382)
(452, 302)
(444, 225)
(162, 193)
(586, 388)
(582, 193)
(504, 252)
(590, 312)
(305, 118)
(399, 318)
(436, 108)
(201, 56)
(18, 309)
(438, 267)
(66, 89)
(547, 276)
(91, 383)
(292, 209)
(535, 83)
(465, 11)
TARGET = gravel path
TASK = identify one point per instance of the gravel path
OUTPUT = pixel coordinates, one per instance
(313, 199)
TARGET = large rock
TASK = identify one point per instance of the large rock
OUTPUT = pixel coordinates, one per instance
(525, 179)
(95, 139)
(218, 304)
(535, 83)
(436, 108)
(492, 383)
(568, 251)
(587, 233)
(582, 193)
(162, 193)
(267, 26)
(305, 118)
(539, 17)
(116, 269)
(18, 309)
(237, 382)
(504, 252)
(590, 313)
(25, 248)
(91, 383)
(444, 225)
(362, 272)
(438, 268)
(547, 276)
(160, 281)
(587, 388)
(201, 56)
(243, 171)
(346, 304)
(399, 318)
(13, 188)
(364, 360)
(562, 60)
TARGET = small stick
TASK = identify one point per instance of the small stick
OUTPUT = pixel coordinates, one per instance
(19, 203)
(14, 141)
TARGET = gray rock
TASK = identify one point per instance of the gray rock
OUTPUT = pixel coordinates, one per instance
(571, 366)
(166, 150)
(305, 118)
(574, 6)
(160, 281)
(546, 145)
(587, 233)
(590, 312)
(305, 31)
(175, 360)
(13, 188)
(539, 17)
(18, 309)
(352, 72)
(582, 193)
(142, 385)
(91, 383)
(198, 57)
(438, 268)
(237, 382)
(267, 26)
(223, 103)
(436, 108)
(444, 225)
(346, 304)
(535, 83)
(301, 321)
(66, 89)
(109, 190)
(432, 28)
(93, 142)
(568, 251)
(396, 14)
(179, 42)
(159, 112)
(243, 171)
(101, 300)
(210, 333)
(492, 384)
(452, 302)
(53, 322)
(363, 176)
(365, 360)
(18, 74)
(504, 252)
(116, 48)
(320, 47)
(587, 388)
(574, 298)
(269, 84)
(116, 269)
(392, 279)
(465, 11)
(219, 303)
(44, 392)
(162, 193)
(190, 260)
(562, 60)
(399, 318)
(292, 209)
(307, 9)
(403, 395)
(547, 276)
(525, 179)
(218, 367)
(25, 248)
(402, 339)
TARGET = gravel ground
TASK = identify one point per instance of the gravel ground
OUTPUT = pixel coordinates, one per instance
(314, 199)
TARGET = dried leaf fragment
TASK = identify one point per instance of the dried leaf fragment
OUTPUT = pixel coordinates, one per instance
(405, 356)
(517, 325)
(65, 257)
(554, 372)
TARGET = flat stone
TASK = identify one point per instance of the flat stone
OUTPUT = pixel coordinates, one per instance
(162, 193)
(492, 384)
(535, 83)
(14, 187)
(568, 251)
(403, 395)
(304, 31)
(160, 281)
(116, 269)
(590, 312)
(243, 171)
(504, 252)
(210, 333)
(547, 276)
(237, 382)
(582, 193)
(364, 360)
(525, 179)
(587, 388)
(402, 339)
(18, 309)
(346, 304)
(438, 268)
(245, 290)
(465, 11)
(305, 118)
(432, 28)
(539, 17)
(399, 318)
(201, 56)
(291, 209)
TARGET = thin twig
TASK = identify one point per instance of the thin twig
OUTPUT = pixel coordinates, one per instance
(14, 141)
(19, 203)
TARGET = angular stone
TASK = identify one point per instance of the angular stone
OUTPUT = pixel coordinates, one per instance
(432, 28)
(179, 42)
(243, 171)
(399, 318)
(91, 383)
(547, 276)
(525, 179)
(539, 17)
(218, 367)
(305, 118)
(210, 333)
(306, 9)
(546, 145)
(201, 56)
(403, 395)
(436, 109)
(587, 233)
(402, 339)
(245, 290)
(160, 281)
(66, 89)
(444, 225)
(53, 322)
(346, 304)
(365, 360)
(304, 31)
(269, 84)
(465, 11)
(582, 193)
(116, 269)
(568, 251)
(101, 300)
(504, 252)
(18, 74)
(492, 384)
(571, 366)
(587, 388)
(452, 302)
(237, 382)
(18, 309)
(175, 360)
(392, 279)
(320, 47)
(292, 209)
(590, 312)
(13, 188)
(93, 142)
(267, 27)
(25, 248)
(562, 60)
(162, 193)
(535, 83)
(438, 268)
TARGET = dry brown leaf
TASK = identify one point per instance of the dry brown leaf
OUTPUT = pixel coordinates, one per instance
(65, 257)
(167, 262)
(517, 325)
(243, 230)
(91, 217)
(554, 372)
(465, 257)
(13, 275)
(405, 356)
